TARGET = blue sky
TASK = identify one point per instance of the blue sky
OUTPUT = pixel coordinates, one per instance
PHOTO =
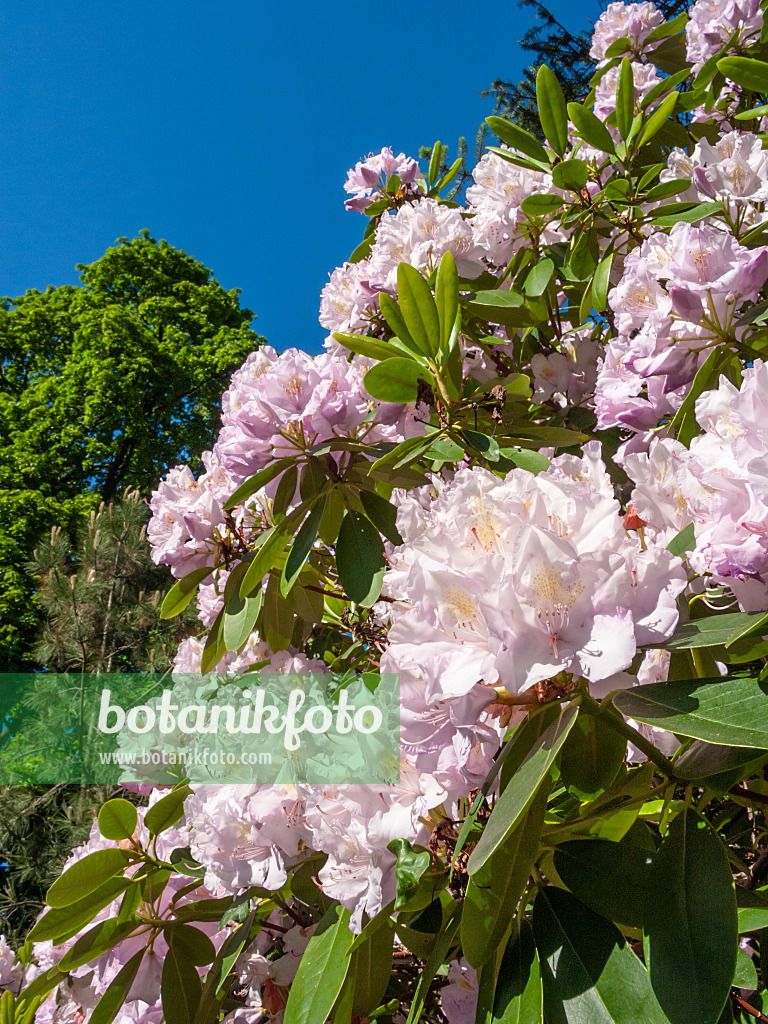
(227, 129)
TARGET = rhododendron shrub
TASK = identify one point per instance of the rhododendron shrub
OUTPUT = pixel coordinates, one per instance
(529, 475)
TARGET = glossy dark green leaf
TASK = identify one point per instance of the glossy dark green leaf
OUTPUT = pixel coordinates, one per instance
(109, 1005)
(551, 108)
(538, 280)
(360, 559)
(382, 514)
(745, 975)
(267, 554)
(570, 174)
(611, 878)
(418, 308)
(518, 996)
(691, 933)
(85, 876)
(180, 986)
(625, 99)
(733, 712)
(167, 811)
(521, 790)
(518, 138)
(240, 616)
(541, 204)
(198, 948)
(684, 541)
(182, 592)
(590, 974)
(495, 889)
(411, 865)
(531, 461)
(713, 630)
(302, 545)
(704, 759)
(396, 380)
(590, 128)
(369, 347)
(659, 117)
(447, 298)
(689, 216)
(322, 970)
(482, 443)
(118, 819)
(745, 71)
(257, 481)
(59, 925)
(592, 755)
(371, 968)
(436, 958)
(665, 189)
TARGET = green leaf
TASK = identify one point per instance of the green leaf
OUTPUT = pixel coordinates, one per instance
(382, 514)
(434, 162)
(95, 942)
(519, 139)
(180, 985)
(118, 819)
(684, 541)
(240, 617)
(618, 47)
(108, 1006)
(360, 559)
(85, 876)
(396, 380)
(302, 545)
(592, 755)
(182, 592)
(59, 925)
(495, 889)
(752, 919)
(257, 481)
(733, 712)
(371, 967)
(446, 448)
(540, 204)
(590, 973)
(435, 959)
(518, 996)
(418, 309)
(551, 109)
(393, 315)
(745, 975)
(411, 865)
(269, 551)
(214, 649)
(625, 99)
(690, 922)
(286, 489)
(665, 189)
(196, 945)
(531, 461)
(684, 420)
(546, 437)
(688, 216)
(167, 811)
(369, 347)
(601, 282)
(591, 128)
(570, 174)
(702, 759)
(659, 117)
(449, 175)
(488, 446)
(612, 879)
(517, 798)
(714, 630)
(447, 298)
(538, 279)
(745, 71)
(322, 970)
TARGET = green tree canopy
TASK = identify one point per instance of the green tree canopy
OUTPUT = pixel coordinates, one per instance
(104, 386)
